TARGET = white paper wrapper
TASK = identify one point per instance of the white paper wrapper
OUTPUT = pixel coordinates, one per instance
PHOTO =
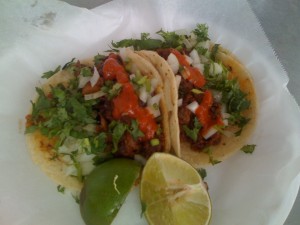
(37, 35)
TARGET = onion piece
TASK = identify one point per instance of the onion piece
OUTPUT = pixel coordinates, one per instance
(153, 105)
(195, 57)
(143, 94)
(178, 80)
(210, 133)
(215, 69)
(154, 100)
(132, 76)
(87, 167)
(153, 111)
(95, 95)
(180, 102)
(95, 77)
(187, 44)
(217, 95)
(200, 67)
(173, 62)
(83, 81)
(123, 53)
(193, 106)
(188, 59)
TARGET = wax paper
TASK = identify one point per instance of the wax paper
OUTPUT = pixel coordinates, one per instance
(38, 35)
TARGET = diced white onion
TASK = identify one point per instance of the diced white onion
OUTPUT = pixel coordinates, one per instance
(95, 77)
(153, 105)
(70, 170)
(87, 167)
(132, 76)
(215, 69)
(154, 100)
(210, 133)
(193, 106)
(203, 44)
(95, 95)
(85, 157)
(154, 112)
(140, 159)
(173, 62)
(178, 80)
(180, 102)
(123, 54)
(225, 117)
(187, 44)
(188, 59)
(143, 94)
(83, 81)
(217, 95)
(193, 39)
(200, 67)
(195, 57)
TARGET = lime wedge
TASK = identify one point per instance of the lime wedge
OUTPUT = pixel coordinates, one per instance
(173, 193)
(105, 190)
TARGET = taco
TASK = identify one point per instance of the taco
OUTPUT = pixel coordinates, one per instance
(91, 111)
(214, 112)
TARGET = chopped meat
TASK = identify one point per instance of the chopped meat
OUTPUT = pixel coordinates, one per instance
(184, 116)
(201, 143)
(128, 147)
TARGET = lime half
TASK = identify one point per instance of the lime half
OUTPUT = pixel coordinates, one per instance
(173, 193)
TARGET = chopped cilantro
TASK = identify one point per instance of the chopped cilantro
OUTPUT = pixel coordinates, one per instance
(99, 58)
(117, 129)
(51, 73)
(86, 71)
(60, 189)
(193, 133)
(135, 131)
(249, 149)
(201, 32)
(202, 172)
(68, 64)
(214, 51)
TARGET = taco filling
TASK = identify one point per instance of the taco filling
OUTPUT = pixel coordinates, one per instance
(90, 112)
(215, 95)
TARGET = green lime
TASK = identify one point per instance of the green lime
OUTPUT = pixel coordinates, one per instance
(105, 190)
(173, 193)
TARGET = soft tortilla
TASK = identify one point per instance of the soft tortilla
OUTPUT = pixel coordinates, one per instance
(229, 145)
(41, 147)
(170, 92)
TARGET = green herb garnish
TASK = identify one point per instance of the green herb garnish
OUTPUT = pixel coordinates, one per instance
(249, 149)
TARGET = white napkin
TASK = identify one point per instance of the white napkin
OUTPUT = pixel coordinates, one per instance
(38, 35)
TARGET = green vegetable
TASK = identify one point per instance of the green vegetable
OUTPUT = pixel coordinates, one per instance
(117, 129)
(135, 131)
(193, 133)
(249, 149)
(201, 32)
(196, 91)
(105, 190)
(51, 73)
(154, 142)
(138, 44)
(61, 189)
(202, 172)
(111, 89)
(86, 71)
